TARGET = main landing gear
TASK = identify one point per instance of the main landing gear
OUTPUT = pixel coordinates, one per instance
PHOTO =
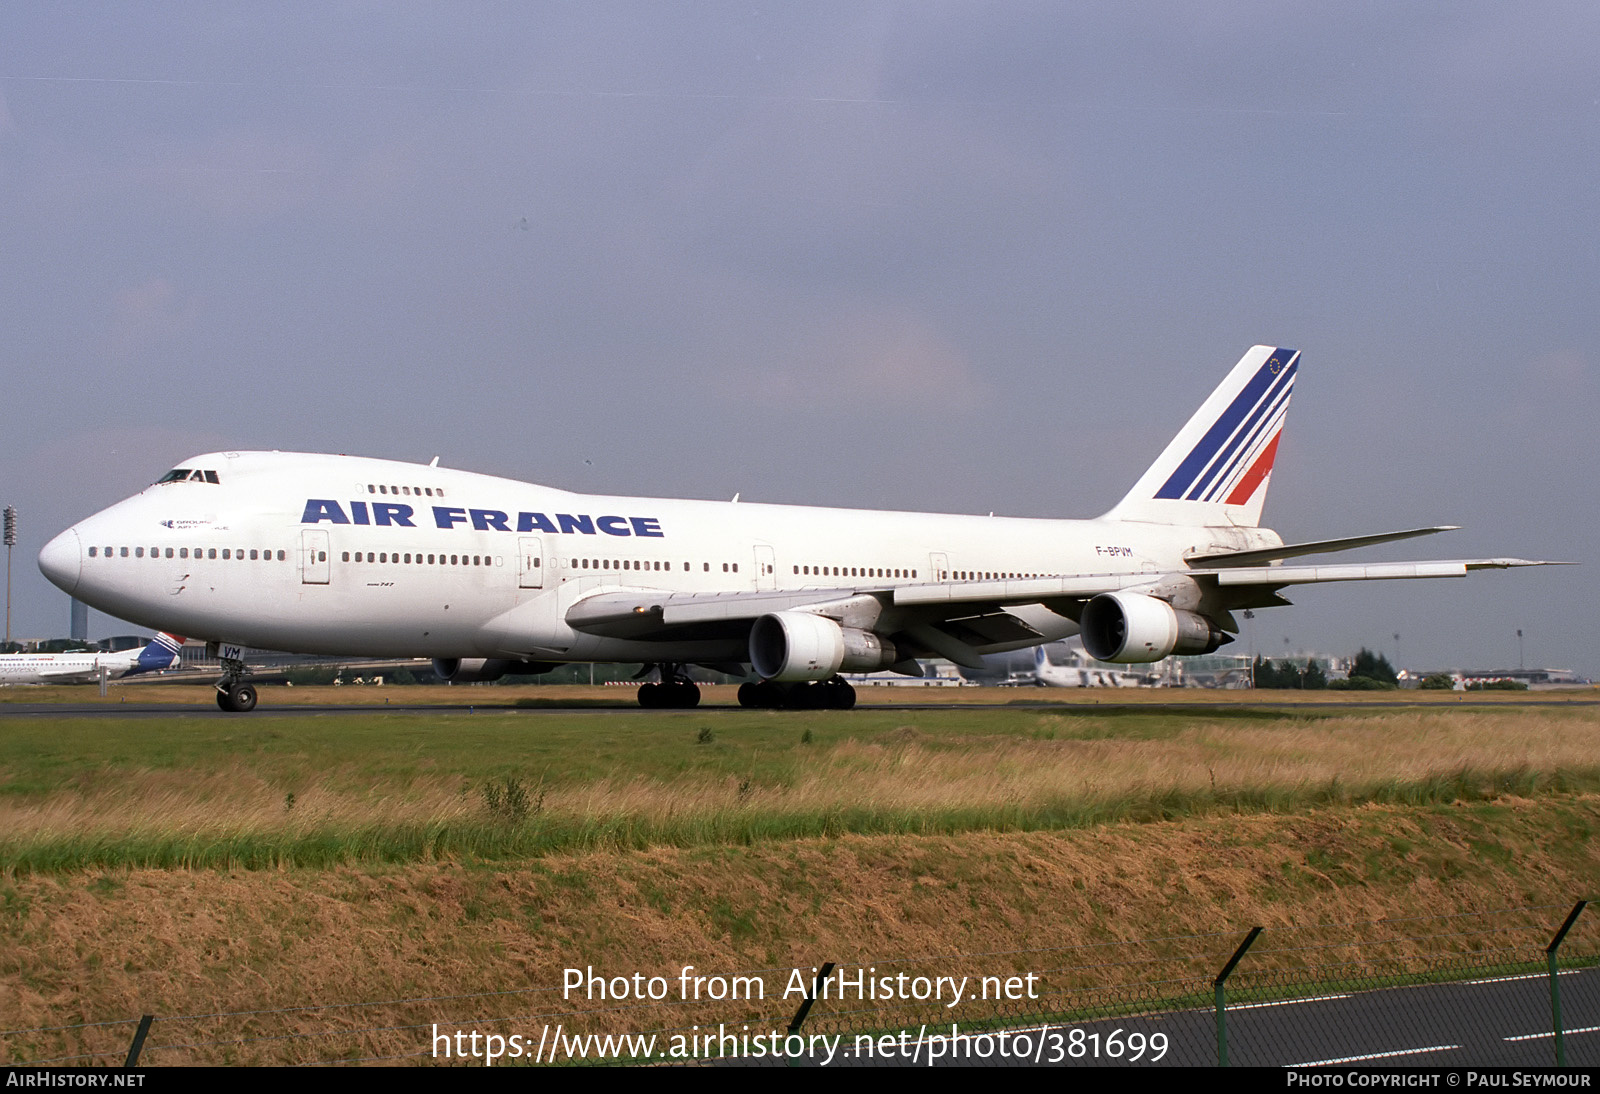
(233, 694)
(675, 691)
(834, 694)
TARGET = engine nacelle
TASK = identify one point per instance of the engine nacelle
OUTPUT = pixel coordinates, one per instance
(795, 646)
(1131, 627)
(477, 670)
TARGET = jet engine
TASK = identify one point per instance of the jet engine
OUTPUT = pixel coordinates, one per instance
(1132, 627)
(794, 646)
(474, 670)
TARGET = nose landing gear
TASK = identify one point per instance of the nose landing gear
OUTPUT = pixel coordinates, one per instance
(233, 694)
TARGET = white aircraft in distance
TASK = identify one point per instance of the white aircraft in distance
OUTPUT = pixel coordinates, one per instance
(1090, 675)
(86, 668)
(351, 556)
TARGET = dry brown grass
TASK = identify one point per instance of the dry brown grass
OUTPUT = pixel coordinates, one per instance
(93, 947)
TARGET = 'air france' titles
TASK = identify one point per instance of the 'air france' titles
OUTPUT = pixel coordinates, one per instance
(393, 514)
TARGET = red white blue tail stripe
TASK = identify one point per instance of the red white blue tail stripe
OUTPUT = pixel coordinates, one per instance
(1235, 454)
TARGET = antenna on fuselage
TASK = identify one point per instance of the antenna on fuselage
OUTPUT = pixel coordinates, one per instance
(434, 462)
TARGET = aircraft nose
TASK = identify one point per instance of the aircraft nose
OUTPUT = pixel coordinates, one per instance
(61, 560)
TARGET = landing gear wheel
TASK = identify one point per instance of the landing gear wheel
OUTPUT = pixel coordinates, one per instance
(673, 695)
(238, 699)
(841, 695)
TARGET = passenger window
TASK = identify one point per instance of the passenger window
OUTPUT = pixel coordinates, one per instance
(322, 556)
(224, 552)
(91, 552)
(252, 555)
(346, 557)
(211, 553)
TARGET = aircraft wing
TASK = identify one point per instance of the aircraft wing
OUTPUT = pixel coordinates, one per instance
(961, 620)
(66, 675)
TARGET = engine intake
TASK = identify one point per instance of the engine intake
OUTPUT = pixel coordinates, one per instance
(794, 646)
(1126, 628)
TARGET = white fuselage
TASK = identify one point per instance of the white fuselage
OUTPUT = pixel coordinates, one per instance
(65, 668)
(364, 557)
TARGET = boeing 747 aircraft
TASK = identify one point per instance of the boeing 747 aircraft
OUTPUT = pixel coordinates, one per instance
(351, 556)
(88, 668)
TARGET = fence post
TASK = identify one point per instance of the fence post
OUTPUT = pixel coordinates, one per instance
(1555, 984)
(138, 1040)
(1218, 986)
(799, 1018)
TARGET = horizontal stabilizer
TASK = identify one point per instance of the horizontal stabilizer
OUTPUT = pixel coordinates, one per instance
(1311, 547)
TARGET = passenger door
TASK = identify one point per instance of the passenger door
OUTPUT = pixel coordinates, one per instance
(530, 562)
(314, 567)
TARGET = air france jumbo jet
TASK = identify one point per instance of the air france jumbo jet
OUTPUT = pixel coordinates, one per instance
(363, 557)
(89, 668)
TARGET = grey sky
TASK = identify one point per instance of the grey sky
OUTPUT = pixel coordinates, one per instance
(960, 257)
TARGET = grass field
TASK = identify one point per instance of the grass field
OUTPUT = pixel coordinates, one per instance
(316, 790)
(179, 865)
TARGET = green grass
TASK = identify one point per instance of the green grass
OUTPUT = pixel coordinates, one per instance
(319, 790)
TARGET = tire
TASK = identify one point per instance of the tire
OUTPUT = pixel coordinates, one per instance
(844, 696)
(225, 701)
(243, 697)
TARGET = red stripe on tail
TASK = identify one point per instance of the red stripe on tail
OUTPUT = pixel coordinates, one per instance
(1258, 471)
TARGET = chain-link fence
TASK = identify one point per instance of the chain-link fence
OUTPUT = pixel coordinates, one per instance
(1510, 986)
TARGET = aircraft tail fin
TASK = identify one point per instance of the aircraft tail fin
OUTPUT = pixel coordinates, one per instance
(162, 653)
(1216, 470)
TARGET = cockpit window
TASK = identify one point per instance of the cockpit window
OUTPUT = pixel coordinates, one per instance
(185, 474)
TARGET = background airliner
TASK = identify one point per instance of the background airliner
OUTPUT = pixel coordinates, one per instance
(362, 557)
(86, 668)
